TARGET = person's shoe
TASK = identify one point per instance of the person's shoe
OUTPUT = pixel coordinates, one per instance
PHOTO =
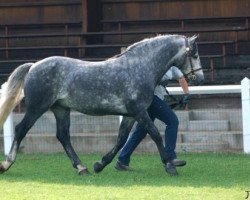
(120, 167)
(171, 169)
(178, 163)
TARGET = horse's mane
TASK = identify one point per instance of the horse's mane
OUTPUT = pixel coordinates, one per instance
(142, 43)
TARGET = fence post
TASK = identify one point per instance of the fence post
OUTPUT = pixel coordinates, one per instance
(8, 132)
(8, 129)
(245, 100)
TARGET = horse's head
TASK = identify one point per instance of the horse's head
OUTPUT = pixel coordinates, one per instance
(190, 64)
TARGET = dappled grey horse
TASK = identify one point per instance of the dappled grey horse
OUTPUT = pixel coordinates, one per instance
(122, 85)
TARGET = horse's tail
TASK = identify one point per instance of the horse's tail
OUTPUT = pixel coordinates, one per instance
(12, 94)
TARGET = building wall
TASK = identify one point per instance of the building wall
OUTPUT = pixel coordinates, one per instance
(149, 9)
(37, 11)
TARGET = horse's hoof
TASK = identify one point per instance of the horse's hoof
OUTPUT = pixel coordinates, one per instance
(84, 172)
(2, 169)
(171, 169)
(98, 167)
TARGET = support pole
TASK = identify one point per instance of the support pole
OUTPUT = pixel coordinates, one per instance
(245, 99)
(8, 132)
(8, 129)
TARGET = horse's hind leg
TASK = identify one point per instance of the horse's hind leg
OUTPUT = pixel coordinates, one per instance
(125, 127)
(62, 116)
(20, 132)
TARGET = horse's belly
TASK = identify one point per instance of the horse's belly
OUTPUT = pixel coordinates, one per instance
(101, 110)
(95, 107)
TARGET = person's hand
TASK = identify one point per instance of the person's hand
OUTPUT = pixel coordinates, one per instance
(185, 99)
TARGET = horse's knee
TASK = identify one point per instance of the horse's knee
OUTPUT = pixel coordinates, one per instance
(20, 133)
(119, 144)
(62, 137)
(62, 133)
(157, 138)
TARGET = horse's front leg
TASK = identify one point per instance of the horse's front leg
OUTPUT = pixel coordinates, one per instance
(144, 118)
(125, 127)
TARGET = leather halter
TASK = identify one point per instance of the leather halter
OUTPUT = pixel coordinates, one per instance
(190, 51)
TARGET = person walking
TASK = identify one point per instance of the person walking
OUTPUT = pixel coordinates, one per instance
(161, 110)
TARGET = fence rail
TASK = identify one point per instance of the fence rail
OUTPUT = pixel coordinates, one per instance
(244, 89)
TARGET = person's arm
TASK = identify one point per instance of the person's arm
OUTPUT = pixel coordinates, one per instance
(178, 75)
(184, 85)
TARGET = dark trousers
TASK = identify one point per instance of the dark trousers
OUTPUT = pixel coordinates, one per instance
(160, 110)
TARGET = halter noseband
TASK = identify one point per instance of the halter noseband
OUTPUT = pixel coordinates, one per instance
(190, 51)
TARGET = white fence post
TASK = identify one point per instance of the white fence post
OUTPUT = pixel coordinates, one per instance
(8, 132)
(8, 129)
(245, 98)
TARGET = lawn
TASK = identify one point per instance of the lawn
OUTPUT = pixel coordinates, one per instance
(50, 176)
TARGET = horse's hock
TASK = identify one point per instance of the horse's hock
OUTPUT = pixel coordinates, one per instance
(199, 131)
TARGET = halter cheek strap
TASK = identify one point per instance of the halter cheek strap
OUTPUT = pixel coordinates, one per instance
(189, 53)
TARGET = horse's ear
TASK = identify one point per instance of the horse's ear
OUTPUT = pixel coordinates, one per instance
(193, 39)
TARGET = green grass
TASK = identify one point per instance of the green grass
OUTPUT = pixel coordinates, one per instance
(50, 176)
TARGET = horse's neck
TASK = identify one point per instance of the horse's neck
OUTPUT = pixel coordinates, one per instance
(162, 56)
(151, 59)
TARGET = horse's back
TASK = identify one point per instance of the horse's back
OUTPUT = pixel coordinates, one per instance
(96, 88)
(88, 87)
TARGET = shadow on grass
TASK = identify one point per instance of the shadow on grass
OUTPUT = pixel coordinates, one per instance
(213, 170)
